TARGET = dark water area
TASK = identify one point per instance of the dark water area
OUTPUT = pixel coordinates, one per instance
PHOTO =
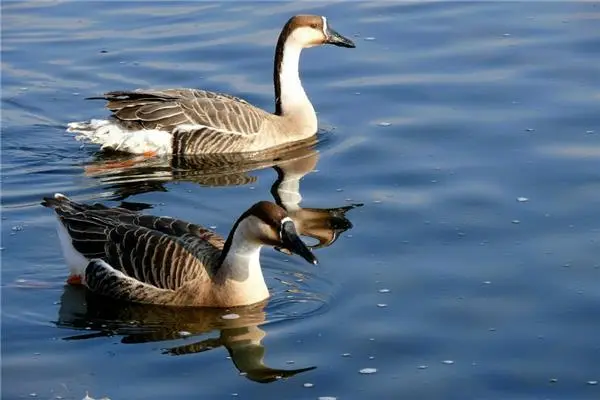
(468, 131)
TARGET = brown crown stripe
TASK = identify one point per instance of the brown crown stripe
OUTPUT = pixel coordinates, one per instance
(270, 213)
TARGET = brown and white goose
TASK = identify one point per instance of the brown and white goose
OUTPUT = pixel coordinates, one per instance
(193, 121)
(146, 259)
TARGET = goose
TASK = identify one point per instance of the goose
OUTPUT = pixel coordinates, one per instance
(192, 121)
(121, 254)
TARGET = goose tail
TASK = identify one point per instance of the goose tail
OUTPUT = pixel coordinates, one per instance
(111, 136)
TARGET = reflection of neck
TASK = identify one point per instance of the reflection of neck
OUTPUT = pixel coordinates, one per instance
(286, 188)
(288, 192)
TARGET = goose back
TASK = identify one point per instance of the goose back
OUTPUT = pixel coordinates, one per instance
(141, 258)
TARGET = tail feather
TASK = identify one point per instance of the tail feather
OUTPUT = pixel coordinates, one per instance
(112, 135)
(59, 200)
(133, 95)
(64, 203)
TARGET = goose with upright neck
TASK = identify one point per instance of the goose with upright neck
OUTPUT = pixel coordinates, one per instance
(194, 121)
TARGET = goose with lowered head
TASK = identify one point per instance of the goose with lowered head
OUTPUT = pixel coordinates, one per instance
(147, 259)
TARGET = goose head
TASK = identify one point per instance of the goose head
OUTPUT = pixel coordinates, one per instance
(312, 30)
(266, 223)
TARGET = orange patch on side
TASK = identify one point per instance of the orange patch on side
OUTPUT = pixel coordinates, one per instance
(75, 280)
(112, 165)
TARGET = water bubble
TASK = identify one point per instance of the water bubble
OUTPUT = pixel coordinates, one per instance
(381, 305)
(448, 362)
(384, 123)
(553, 380)
(384, 290)
(346, 355)
(529, 130)
(367, 371)
(308, 385)
(326, 398)
(230, 316)
(589, 132)
(422, 367)
(522, 199)
(516, 221)
(184, 333)
(369, 38)
(592, 382)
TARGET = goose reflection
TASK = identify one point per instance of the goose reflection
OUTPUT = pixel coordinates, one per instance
(136, 323)
(127, 176)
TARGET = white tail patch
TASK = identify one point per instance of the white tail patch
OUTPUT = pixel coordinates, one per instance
(75, 260)
(111, 136)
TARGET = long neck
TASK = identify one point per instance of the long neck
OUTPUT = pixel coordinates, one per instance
(240, 260)
(290, 97)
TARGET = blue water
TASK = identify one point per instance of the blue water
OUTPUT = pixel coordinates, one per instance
(469, 131)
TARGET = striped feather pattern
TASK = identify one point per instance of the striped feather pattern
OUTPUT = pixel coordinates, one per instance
(137, 257)
(170, 108)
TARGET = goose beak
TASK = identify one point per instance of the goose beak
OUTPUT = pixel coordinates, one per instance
(292, 242)
(336, 39)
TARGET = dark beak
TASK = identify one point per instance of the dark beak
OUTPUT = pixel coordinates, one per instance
(292, 242)
(338, 40)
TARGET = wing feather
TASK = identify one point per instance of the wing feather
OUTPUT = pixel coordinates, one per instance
(159, 251)
(103, 279)
(167, 109)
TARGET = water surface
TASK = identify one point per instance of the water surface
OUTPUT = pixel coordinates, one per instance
(469, 131)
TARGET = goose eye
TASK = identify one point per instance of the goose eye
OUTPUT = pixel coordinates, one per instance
(314, 26)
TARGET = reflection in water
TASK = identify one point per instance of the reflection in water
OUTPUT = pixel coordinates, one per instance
(137, 323)
(128, 176)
